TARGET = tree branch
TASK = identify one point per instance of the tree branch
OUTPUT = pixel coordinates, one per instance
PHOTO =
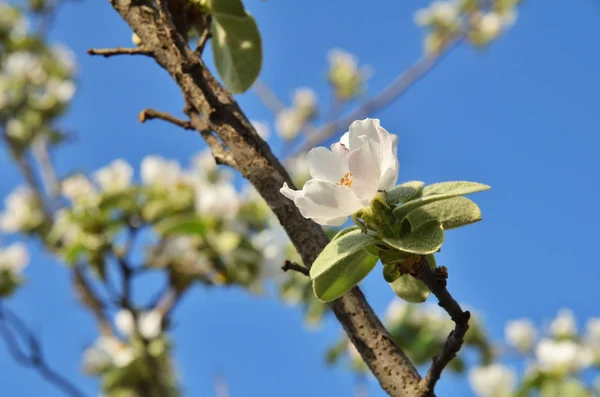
(390, 93)
(435, 280)
(289, 265)
(110, 52)
(256, 162)
(90, 299)
(150, 114)
(35, 359)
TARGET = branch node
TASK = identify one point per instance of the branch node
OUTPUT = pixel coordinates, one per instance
(289, 265)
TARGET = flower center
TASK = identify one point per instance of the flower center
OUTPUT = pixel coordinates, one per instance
(346, 180)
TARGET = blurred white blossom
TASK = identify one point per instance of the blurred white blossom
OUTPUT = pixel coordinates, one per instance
(441, 13)
(149, 323)
(62, 90)
(65, 57)
(494, 380)
(288, 123)
(562, 355)
(16, 129)
(490, 25)
(77, 187)
(520, 334)
(272, 244)
(115, 177)
(21, 211)
(24, 64)
(107, 352)
(158, 171)
(344, 74)
(564, 326)
(396, 310)
(305, 102)
(220, 200)
(13, 259)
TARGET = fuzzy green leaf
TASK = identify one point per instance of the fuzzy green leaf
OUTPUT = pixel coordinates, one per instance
(391, 273)
(232, 7)
(451, 213)
(342, 264)
(344, 276)
(403, 192)
(237, 49)
(426, 239)
(410, 289)
(437, 192)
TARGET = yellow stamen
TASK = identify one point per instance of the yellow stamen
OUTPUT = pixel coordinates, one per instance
(346, 180)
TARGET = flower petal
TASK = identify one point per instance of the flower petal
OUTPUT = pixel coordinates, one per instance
(327, 203)
(327, 166)
(290, 193)
(365, 168)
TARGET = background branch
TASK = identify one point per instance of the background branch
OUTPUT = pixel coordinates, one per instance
(15, 333)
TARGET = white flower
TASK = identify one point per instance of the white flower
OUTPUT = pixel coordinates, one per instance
(593, 329)
(490, 25)
(347, 177)
(262, 129)
(220, 200)
(14, 258)
(520, 334)
(305, 102)
(564, 324)
(494, 380)
(115, 177)
(107, 352)
(443, 13)
(65, 57)
(156, 170)
(272, 243)
(25, 64)
(21, 211)
(16, 129)
(62, 90)
(149, 323)
(288, 123)
(77, 187)
(342, 60)
(564, 355)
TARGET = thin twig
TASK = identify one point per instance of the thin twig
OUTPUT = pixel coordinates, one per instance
(206, 34)
(47, 171)
(89, 298)
(435, 280)
(268, 97)
(109, 52)
(150, 114)
(289, 265)
(9, 321)
(396, 88)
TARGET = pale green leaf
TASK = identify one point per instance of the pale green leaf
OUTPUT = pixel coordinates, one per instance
(232, 7)
(451, 213)
(403, 192)
(342, 264)
(437, 192)
(237, 50)
(410, 289)
(426, 239)
(342, 277)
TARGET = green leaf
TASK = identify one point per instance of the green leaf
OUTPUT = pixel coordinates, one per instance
(181, 225)
(342, 264)
(437, 192)
(344, 276)
(403, 192)
(451, 213)
(426, 239)
(232, 7)
(410, 289)
(237, 49)
(391, 273)
(344, 231)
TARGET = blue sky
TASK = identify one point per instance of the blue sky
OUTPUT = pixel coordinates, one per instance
(522, 117)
